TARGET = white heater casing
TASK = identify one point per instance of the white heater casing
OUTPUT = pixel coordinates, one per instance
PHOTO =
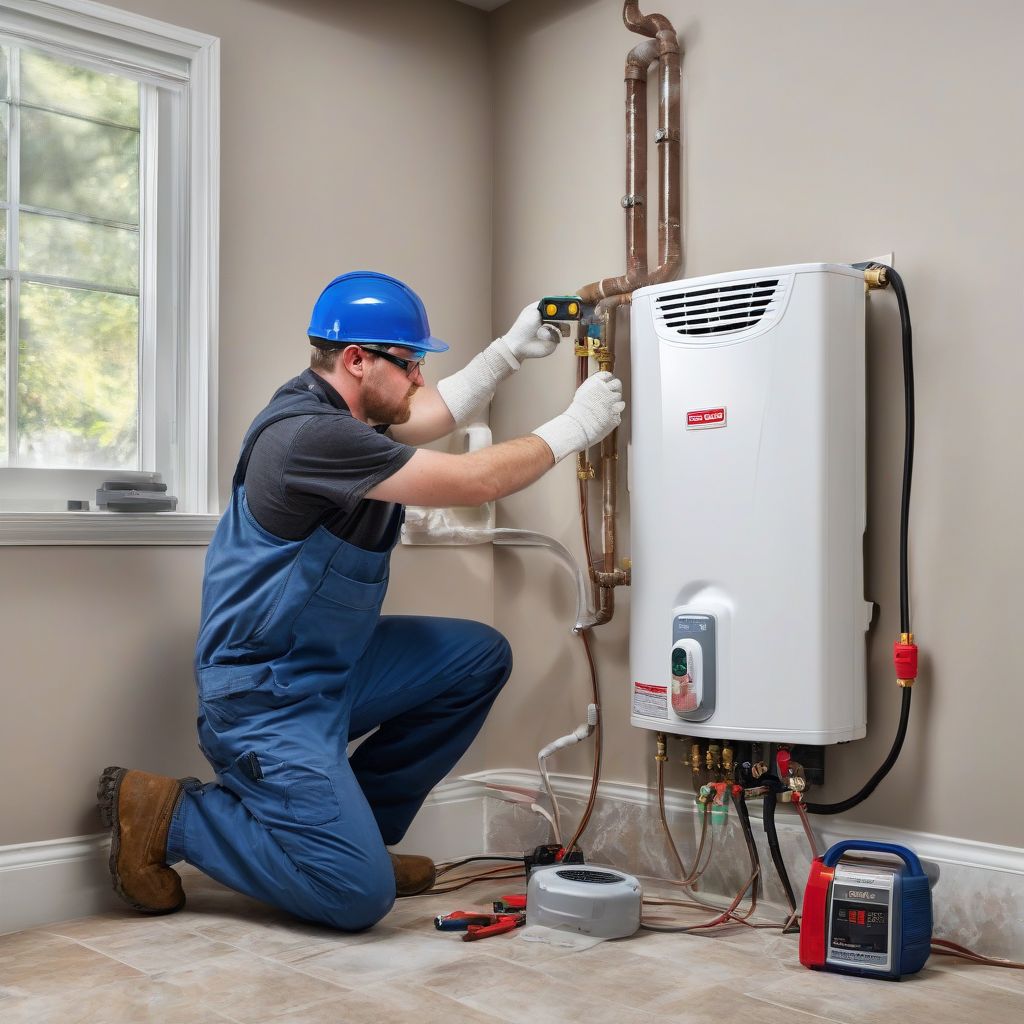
(747, 483)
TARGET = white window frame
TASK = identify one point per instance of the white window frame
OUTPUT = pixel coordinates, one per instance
(180, 70)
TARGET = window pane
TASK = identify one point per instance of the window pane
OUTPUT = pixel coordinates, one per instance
(50, 82)
(86, 252)
(78, 378)
(3, 372)
(78, 166)
(3, 73)
(5, 116)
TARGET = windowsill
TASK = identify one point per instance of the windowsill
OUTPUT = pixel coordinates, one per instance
(75, 528)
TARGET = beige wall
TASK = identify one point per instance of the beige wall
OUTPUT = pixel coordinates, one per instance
(813, 131)
(357, 134)
(353, 135)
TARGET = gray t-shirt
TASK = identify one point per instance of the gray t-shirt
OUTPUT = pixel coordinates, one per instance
(310, 471)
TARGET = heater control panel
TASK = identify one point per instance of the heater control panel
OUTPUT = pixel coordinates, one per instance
(693, 678)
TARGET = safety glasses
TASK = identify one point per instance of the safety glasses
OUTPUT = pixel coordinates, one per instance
(410, 366)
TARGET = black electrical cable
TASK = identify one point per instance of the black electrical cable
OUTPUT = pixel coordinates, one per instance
(908, 471)
(770, 800)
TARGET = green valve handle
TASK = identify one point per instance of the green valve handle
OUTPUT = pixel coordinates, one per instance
(560, 309)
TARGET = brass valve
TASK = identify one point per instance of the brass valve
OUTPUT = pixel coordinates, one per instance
(661, 754)
(590, 347)
(728, 760)
(695, 759)
(712, 760)
(876, 277)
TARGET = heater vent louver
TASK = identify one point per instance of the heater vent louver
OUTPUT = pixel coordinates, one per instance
(721, 309)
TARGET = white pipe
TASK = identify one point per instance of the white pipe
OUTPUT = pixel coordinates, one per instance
(458, 535)
(581, 732)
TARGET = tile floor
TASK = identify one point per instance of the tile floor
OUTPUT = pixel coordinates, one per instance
(226, 958)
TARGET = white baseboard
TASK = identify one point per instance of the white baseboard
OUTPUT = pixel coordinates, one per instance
(54, 881)
(67, 878)
(829, 829)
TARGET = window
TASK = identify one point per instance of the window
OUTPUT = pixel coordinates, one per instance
(108, 175)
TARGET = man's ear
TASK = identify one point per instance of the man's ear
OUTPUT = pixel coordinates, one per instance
(353, 361)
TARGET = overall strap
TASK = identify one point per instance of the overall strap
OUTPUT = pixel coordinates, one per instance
(292, 405)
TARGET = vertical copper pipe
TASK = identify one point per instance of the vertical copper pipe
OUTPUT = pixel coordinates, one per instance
(604, 594)
(635, 200)
(670, 248)
(662, 47)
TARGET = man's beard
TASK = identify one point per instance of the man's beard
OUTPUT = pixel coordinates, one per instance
(379, 410)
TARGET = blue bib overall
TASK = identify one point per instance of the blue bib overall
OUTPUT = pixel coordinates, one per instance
(294, 660)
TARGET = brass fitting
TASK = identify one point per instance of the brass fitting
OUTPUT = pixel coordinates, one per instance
(584, 470)
(616, 578)
(906, 684)
(759, 769)
(713, 760)
(661, 754)
(875, 277)
(592, 348)
(695, 759)
(728, 760)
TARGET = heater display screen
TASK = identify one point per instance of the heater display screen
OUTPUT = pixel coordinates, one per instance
(859, 927)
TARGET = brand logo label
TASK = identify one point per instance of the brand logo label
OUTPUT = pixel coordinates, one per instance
(861, 894)
(705, 419)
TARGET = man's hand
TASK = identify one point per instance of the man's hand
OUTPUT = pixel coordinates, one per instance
(595, 412)
(467, 390)
(528, 338)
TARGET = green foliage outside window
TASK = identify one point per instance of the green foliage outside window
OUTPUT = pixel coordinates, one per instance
(77, 397)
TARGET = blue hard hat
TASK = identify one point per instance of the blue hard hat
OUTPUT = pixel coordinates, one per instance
(367, 308)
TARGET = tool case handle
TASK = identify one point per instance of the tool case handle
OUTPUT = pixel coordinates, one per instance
(831, 858)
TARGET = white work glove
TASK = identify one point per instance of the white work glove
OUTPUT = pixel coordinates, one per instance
(465, 391)
(528, 338)
(595, 412)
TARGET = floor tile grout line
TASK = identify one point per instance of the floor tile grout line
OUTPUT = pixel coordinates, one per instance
(100, 952)
(792, 1009)
(164, 975)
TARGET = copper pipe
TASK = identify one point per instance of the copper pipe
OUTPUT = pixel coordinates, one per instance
(662, 47)
(670, 246)
(595, 777)
(608, 578)
(644, 24)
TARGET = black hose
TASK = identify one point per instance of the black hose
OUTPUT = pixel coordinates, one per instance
(870, 786)
(770, 801)
(908, 443)
(748, 835)
(908, 471)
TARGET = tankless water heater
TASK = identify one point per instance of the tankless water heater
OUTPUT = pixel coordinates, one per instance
(748, 506)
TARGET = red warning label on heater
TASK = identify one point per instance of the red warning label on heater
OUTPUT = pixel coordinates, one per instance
(703, 419)
(650, 701)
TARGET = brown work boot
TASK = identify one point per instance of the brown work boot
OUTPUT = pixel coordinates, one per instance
(137, 807)
(413, 874)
